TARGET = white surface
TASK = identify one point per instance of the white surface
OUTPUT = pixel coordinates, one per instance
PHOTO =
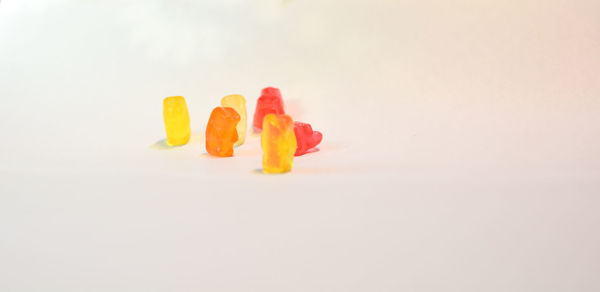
(461, 148)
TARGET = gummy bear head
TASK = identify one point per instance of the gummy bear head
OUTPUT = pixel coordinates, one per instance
(270, 91)
(271, 101)
(306, 137)
(223, 122)
(303, 127)
(232, 118)
(175, 107)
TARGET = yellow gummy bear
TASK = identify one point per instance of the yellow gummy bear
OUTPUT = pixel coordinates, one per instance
(177, 120)
(238, 103)
(278, 142)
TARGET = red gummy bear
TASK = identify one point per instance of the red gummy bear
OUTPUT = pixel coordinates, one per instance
(306, 138)
(269, 102)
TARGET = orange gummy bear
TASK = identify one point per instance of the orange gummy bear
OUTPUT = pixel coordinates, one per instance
(221, 131)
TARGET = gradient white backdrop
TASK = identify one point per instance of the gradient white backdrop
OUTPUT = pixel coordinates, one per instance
(461, 146)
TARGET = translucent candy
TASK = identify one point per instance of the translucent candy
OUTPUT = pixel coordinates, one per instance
(269, 102)
(177, 120)
(278, 142)
(238, 103)
(306, 138)
(221, 131)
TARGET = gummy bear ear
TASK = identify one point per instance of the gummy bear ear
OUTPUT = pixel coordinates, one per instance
(271, 91)
(307, 128)
(269, 119)
(287, 120)
(304, 127)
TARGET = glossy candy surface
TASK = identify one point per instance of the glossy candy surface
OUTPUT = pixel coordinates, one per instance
(269, 102)
(278, 142)
(306, 138)
(177, 120)
(238, 103)
(221, 131)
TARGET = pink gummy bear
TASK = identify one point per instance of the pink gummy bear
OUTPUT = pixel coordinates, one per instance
(269, 102)
(306, 138)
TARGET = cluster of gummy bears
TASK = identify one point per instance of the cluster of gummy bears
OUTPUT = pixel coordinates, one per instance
(281, 137)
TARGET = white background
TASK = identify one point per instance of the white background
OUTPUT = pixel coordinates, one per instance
(461, 146)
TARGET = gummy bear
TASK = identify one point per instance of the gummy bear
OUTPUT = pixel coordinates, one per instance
(306, 138)
(269, 102)
(278, 142)
(177, 120)
(238, 103)
(221, 132)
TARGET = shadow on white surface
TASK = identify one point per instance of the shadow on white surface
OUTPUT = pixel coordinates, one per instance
(163, 145)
